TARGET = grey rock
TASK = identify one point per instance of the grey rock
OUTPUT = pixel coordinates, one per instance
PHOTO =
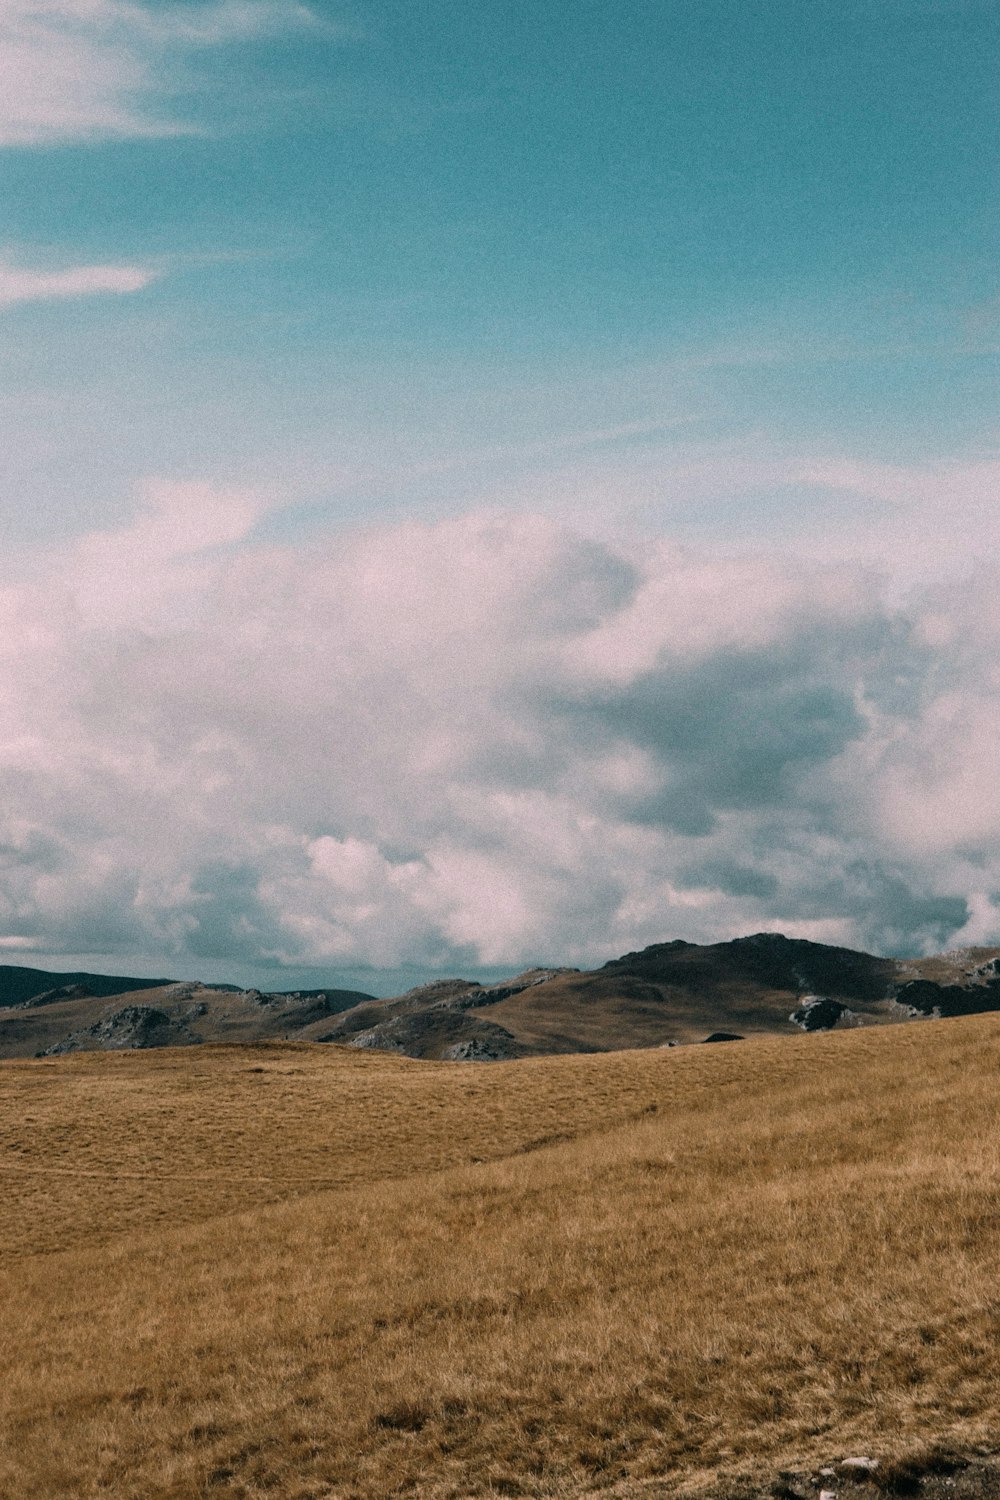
(476, 1049)
(818, 1013)
(375, 1039)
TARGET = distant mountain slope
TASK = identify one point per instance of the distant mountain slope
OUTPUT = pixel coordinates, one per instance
(98, 1013)
(671, 993)
(18, 984)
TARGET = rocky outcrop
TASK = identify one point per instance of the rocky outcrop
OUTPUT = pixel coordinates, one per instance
(923, 997)
(132, 1028)
(497, 1047)
(437, 1032)
(820, 1013)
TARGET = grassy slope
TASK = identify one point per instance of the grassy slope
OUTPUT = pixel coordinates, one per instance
(682, 992)
(311, 1272)
(593, 1012)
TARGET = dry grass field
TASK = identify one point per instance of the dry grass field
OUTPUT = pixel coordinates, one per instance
(295, 1271)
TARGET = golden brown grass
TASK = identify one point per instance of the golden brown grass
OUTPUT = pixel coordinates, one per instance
(740, 1258)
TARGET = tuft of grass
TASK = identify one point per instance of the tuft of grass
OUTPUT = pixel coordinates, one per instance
(364, 1277)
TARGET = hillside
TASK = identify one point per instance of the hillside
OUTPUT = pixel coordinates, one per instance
(671, 993)
(324, 1272)
(88, 1012)
(20, 985)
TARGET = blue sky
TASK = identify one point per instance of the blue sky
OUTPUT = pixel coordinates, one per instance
(401, 236)
(720, 278)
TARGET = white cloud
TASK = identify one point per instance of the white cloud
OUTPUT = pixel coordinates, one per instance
(18, 284)
(488, 741)
(161, 564)
(80, 70)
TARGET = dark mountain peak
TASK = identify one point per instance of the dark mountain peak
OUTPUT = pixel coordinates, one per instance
(809, 968)
(648, 955)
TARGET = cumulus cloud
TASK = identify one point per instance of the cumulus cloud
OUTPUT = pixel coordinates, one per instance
(19, 284)
(74, 70)
(489, 741)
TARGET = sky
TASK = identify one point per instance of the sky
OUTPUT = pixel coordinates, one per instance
(494, 485)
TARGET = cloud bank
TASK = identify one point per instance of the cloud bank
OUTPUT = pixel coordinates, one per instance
(485, 742)
(83, 70)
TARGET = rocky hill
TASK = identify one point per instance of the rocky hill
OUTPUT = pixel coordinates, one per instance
(672, 993)
(669, 994)
(98, 1013)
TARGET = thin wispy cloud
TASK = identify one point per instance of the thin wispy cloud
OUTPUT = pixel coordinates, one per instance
(19, 284)
(85, 70)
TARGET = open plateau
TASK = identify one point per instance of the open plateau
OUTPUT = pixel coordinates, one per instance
(250, 1248)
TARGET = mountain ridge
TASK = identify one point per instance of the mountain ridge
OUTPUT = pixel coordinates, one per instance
(670, 993)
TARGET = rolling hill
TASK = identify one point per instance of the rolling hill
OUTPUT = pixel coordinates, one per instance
(20, 985)
(671, 993)
(90, 1012)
